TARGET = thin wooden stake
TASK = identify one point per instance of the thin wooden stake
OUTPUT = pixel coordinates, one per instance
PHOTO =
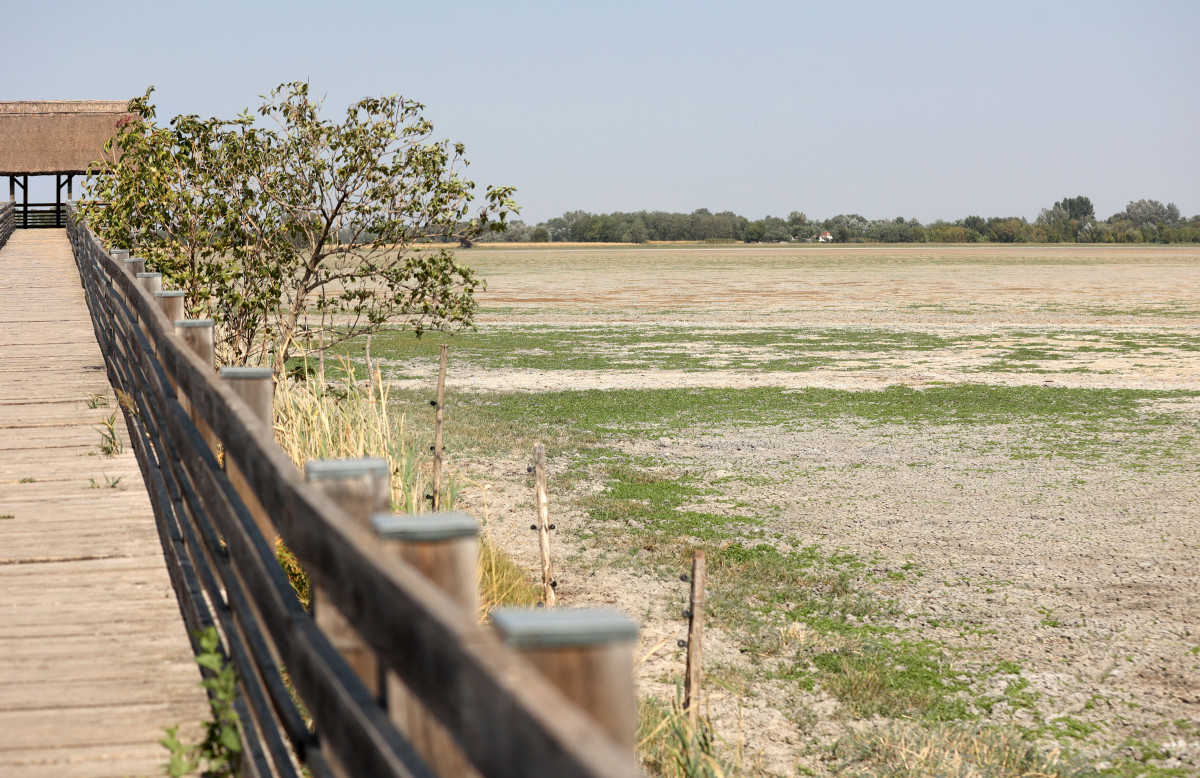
(543, 525)
(321, 347)
(438, 417)
(691, 689)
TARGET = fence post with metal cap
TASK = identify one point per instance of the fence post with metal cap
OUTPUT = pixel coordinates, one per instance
(256, 386)
(134, 265)
(119, 255)
(587, 653)
(361, 487)
(151, 282)
(171, 303)
(444, 547)
(197, 334)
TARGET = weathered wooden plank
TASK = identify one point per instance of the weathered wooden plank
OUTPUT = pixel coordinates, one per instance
(94, 659)
(131, 620)
(92, 724)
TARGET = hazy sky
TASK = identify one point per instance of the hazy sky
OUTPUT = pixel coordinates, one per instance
(925, 109)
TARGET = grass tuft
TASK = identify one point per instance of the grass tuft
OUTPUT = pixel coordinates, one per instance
(905, 751)
(314, 421)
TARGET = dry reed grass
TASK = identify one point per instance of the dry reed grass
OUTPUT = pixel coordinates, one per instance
(315, 420)
(910, 751)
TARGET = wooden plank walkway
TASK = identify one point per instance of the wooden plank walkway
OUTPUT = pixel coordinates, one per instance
(94, 658)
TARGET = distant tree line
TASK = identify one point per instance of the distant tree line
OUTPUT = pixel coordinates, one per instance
(1070, 220)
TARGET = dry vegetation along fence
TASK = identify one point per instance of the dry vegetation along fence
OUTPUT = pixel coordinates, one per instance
(393, 676)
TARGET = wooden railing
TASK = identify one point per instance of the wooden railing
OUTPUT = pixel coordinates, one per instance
(487, 703)
(31, 216)
(8, 222)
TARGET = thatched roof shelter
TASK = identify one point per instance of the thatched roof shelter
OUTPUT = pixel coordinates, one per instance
(56, 136)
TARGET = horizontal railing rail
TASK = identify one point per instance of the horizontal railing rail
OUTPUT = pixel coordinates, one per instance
(504, 717)
(41, 215)
(8, 221)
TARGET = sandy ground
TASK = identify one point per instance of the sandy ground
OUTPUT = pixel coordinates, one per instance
(1084, 572)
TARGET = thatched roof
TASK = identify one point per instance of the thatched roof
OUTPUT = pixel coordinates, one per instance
(56, 136)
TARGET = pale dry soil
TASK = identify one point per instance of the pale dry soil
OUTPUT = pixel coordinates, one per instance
(1082, 571)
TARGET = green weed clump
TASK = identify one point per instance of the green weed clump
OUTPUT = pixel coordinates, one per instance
(219, 754)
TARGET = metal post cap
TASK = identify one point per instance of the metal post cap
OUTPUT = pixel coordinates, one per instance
(332, 469)
(237, 373)
(424, 527)
(562, 627)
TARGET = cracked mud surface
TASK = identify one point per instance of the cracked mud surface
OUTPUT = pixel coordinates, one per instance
(1083, 570)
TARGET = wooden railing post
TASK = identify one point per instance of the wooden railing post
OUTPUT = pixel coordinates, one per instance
(134, 265)
(151, 282)
(444, 547)
(587, 653)
(256, 386)
(361, 487)
(120, 255)
(171, 304)
(197, 334)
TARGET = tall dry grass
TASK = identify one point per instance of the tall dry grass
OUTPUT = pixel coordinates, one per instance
(354, 419)
(316, 421)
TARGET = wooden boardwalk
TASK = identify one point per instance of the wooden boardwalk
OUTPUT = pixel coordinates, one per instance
(94, 658)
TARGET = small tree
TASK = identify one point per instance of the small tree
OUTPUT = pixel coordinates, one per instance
(306, 229)
(165, 198)
(346, 210)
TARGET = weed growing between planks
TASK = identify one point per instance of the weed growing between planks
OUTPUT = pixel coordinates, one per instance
(110, 439)
(220, 752)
